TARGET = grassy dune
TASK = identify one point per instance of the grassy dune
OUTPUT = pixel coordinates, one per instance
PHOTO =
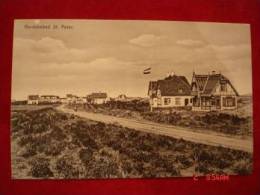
(50, 144)
(234, 122)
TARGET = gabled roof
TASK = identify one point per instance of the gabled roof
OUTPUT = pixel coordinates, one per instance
(201, 81)
(49, 96)
(97, 95)
(33, 97)
(207, 83)
(171, 86)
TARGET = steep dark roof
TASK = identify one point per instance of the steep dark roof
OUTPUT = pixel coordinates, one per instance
(183, 78)
(46, 96)
(97, 95)
(153, 85)
(201, 81)
(171, 86)
(33, 97)
(212, 82)
(207, 83)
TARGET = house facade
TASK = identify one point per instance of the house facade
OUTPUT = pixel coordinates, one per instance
(173, 91)
(213, 92)
(49, 99)
(63, 100)
(44, 99)
(71, 99)
(97, 98)
(81, 100)
(33, 99)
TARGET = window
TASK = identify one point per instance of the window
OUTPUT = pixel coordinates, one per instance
(196, 101)
(177, 101)
(186, 101)
(158, 92)
(229, 102)
(180, 90)
(223, 87)
(159, 102)
(194, 88)
(167, 101)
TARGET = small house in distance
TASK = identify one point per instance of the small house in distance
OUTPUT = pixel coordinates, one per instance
(121, 97)
(213, 92)
(71, 99)
(97, 98)
(173, 91)
(49, 99)
(33, 99)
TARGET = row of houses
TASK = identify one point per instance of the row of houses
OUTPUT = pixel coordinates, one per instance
(44, 99)
(205, 93)
(94, 98)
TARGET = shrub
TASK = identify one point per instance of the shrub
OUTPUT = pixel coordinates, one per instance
(242, 167)
(57, 134)
(103, 167)
(85, 155)
(36, 127)
(180, 145)
(23, 140)
(203, 167)
(185, 160)
(222, 163)
(63, 116)
(40, 168)
(30, 150)
(138, 167)
(127, 167)
(206, 156)
(88, 142)
(54, 149)
(65, 169)
(115, 144)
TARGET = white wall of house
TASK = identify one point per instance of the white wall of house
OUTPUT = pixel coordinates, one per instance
(50, 99)
(227, 102)
(171, 101)
(99, 100)
(32, 102)
(81, 100)
(230, 104)
(64, 100)
(227, 93)
(71, 100)
(229, 90)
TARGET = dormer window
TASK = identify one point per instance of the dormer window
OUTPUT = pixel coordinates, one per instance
(180, 90)
(223, 87)
(158, 92)
(194, 87)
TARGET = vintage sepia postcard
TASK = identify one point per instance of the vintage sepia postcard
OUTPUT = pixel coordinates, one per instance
(130, 99)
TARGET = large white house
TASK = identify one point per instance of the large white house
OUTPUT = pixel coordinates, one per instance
(173, 91)
(44, 99)
(97, 98)
(33, 99)
(71, 99)
(49, 99)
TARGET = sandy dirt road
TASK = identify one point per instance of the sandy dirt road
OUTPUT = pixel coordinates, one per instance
(172, 131)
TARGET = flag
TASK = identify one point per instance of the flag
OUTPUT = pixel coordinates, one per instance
(147, 71)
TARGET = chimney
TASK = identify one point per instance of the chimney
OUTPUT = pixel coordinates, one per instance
(213, 72)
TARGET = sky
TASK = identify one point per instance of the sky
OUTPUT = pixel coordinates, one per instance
(85, 56)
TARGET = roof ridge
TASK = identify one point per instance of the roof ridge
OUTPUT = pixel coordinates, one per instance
(184, 81)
